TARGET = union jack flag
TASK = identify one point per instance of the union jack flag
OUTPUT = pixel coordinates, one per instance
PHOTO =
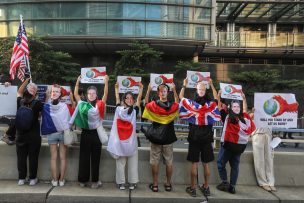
(197, 114)
(20, 53)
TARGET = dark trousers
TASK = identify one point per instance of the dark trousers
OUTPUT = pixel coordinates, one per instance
(234, 160)
(30, 149)
(11, 132)
(89, 156)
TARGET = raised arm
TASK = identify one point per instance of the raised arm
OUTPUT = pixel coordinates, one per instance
(214, 92)
(105, 89)
(141, 87)
(175, 93)
(72, 99)
(76, 95)
(219, 103)
(117, 93)
(244, 103)
(182, 91)
(22, 87)
(148, 94)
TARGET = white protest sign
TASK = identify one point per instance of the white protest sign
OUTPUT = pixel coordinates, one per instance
(275, 110)
(8, 98)
(128, 83)
(195, 77)
(65, 93)
(93, 74)
(157, 79)
(230, 91)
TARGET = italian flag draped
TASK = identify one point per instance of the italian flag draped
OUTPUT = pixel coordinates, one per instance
(123, 140)
(87, 116)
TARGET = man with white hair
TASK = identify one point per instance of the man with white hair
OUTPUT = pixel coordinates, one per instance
(28, 140)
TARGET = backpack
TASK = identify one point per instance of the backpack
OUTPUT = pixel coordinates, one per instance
(25, 116)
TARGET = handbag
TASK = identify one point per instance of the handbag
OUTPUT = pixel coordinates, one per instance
(234, 148)
(102, 134)
(69, 137)
(156, 133)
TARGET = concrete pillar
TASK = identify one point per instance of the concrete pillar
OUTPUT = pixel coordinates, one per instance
(272, 30)
(230, 33)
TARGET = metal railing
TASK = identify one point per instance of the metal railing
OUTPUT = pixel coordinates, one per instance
(255, 39)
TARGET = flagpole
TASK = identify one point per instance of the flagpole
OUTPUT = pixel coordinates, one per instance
(26, 57)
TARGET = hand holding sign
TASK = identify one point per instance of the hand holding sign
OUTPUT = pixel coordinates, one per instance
(158, 79)
(93, 75)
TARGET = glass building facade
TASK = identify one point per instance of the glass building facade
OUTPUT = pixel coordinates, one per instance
(162, 19)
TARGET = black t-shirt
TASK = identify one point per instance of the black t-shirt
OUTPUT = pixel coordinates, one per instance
(204, 130)
(37, 108)
(170, 132)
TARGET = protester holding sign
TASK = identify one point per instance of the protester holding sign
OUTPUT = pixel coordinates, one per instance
(123, 140)
(236, 131)
(88, 116)
(161, 133)
(201, 113)
(28, 139)
(55, 124)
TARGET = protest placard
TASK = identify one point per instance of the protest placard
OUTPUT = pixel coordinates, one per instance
(93, 75)
(128, 84)
(230, 91)
(195, 77)
(8, 98)
(157, 79)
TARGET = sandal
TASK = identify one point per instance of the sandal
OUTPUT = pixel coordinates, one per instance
(154, 188)
(168, 188)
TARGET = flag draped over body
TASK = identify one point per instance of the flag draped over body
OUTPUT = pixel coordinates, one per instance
(197, 114)
(155, 113)
(239, 132)
(20, 55)
(87, 116)
(55, 118)
(123, 140)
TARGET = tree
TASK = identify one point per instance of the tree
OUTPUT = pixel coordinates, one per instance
(47, 65)
(137, 60)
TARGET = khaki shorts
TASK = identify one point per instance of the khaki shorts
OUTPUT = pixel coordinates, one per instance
(158, 151)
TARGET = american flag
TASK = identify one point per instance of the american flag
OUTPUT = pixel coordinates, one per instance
(197, 114)
(20, 53)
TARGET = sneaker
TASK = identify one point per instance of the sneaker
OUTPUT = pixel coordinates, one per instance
(205, 191)
(191, 191)
(273, 189)
(7, 140)
(33, 181)
(231, 189)
(54, 183)
(121, 186)
(132, 186)
(223, 186)
(266, 187)
(21, 182)
(96, 185)
(82, 184)
(61, 183)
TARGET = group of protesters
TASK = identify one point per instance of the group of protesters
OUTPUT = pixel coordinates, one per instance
(87, 113)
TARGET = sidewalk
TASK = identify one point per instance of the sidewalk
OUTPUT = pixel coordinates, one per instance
(10, 192)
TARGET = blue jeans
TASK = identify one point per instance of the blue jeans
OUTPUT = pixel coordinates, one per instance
(234, 160)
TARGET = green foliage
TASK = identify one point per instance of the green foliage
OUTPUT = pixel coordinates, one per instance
(47, 66)
(265, 81)
(136, 60)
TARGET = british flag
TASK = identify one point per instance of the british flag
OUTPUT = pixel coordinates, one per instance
(197, 114)
(20, 53)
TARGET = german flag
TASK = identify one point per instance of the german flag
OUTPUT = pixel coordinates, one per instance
(155, 113)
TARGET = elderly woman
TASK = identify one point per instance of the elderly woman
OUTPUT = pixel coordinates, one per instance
(28, 139)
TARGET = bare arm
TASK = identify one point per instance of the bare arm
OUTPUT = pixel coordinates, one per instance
(176, 99)
(22, 87)
(214, 92)
(117, 93)
(72, 99)
(76, 95)
(148, 94)
(219, 103)
(182, 92)
(141, 87)
(105, 89)
(244, 103)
